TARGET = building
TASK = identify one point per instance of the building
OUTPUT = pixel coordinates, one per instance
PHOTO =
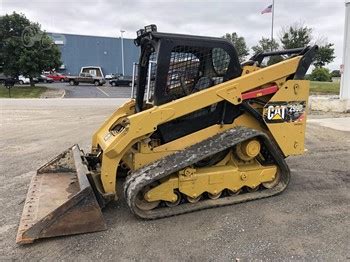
(345, 82)
(83, 50)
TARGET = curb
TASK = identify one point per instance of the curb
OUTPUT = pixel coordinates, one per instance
(63, 94)
(54, 93)
(329, 103)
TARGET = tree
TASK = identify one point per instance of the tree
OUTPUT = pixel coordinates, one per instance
(336, 73)
(295, 36)
(274, 60)
(321, 74)
(324, 55)
(265, 45)
(240, 45)
(25, 49)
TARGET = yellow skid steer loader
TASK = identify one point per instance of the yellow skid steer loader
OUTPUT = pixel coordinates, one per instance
(201, 130)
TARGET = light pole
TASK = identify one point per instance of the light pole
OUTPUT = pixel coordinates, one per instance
(272, 20)
(122, 45)
(345, 78)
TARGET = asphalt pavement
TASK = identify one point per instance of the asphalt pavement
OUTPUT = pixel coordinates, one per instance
(91, 91)
(310, 221)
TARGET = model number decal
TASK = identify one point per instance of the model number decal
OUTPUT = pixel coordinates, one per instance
(278, 112)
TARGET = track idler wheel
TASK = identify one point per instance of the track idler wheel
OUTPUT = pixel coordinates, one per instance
(252, 189)
(193, 200)
(142, 203)
(215, 196)
(273, 183)
(176, 202)
(234, 193)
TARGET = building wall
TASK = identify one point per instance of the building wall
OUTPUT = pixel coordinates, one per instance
(81, 50)
(345, 81)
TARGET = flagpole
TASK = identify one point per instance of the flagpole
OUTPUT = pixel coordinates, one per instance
(272, 21)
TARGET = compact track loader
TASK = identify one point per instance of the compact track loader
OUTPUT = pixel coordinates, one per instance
(200, 131)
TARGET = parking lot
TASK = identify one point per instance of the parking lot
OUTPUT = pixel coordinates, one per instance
(91, 91)
(309, 221)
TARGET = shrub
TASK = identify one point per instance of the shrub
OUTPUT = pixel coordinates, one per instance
(321, 74)
(335, 73)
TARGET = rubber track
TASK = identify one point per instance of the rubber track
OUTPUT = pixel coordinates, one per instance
(181, 159)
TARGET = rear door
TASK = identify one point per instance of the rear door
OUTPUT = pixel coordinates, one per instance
(83, 78)
(79, 77)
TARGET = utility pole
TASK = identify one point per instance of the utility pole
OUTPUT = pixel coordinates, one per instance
(272, 21)
(345, 77)
(122, 46)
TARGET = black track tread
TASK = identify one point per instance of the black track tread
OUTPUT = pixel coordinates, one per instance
(181, 159)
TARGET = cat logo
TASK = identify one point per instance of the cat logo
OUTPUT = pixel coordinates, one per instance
(275, 113)
(279, 112)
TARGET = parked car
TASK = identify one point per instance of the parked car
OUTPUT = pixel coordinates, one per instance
(111, 76)
(86, 78)
(25, 80)
(57, 77)
(4, 79)
(121, 81)
(45, 79)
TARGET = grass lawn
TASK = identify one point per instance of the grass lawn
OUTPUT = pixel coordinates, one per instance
(324, 87)
(22, 91)
(35, 92)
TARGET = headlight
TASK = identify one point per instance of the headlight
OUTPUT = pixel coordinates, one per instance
(140, 32)
(150, 28)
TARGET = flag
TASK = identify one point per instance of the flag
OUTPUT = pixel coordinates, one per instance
(267, 10)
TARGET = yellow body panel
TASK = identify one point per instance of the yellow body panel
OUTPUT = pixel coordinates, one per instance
(290, 136)
(128, 108)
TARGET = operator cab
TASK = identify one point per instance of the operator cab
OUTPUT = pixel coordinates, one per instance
(172, 66)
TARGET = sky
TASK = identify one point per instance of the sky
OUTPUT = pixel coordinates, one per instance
(199, 17)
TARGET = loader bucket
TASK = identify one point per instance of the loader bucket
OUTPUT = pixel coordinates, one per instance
(60, 201)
